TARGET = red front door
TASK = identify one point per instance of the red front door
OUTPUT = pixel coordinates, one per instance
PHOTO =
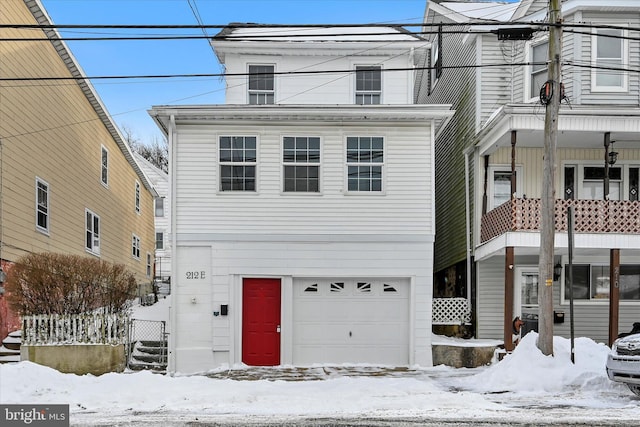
(261, 322)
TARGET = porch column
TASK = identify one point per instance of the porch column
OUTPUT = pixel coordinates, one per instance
(607, 142)
(508, 298)
(486, 184)
(614, 294)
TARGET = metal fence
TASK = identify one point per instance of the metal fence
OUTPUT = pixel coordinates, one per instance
(147, 344)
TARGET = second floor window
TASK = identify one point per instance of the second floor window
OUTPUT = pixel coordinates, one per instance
(301, 158)
(368, 85)
(159, 240)
(365, 157)
(104, 174)
(609, 55)
(238, 160)
(539, 69)
(261, 84)
(92, 241)
(42, 205)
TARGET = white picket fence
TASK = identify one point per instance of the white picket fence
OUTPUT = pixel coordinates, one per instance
(451, 311)
(88, 328)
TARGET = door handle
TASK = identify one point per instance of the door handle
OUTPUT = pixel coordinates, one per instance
(278, 329)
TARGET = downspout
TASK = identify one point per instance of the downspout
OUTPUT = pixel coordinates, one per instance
(171, 369)
(467, 214)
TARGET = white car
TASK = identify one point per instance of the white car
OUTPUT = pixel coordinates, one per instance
(623, 362)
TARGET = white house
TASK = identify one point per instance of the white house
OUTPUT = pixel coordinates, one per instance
(490, 162)
(303, 209)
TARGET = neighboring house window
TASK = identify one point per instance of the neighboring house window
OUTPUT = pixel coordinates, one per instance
(539, 55)
(500, 185)
(135, 246)
(159, 240)
(365, 157)
(609, 50)
(159, 206)
(149, 264)
(368, 84)
(42, 205)
(591, 282)
(301, 158)
(137, 197)
(104, 166)
(238, 163)
(92, 240)
(436, 63)
(261, 84)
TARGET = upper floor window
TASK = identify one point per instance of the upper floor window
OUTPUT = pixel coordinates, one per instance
(149, 265)
(92, 241)
(365, 157)
(301, 158)
(261, 84)
(42, 205)
(135, 246)
(436, 63)
(159, 240)
(609, 54)
(499, 185)
(104, 175)
(368, 84)
(539, 55)
(238, 160)
(137, 197)
(159, 203)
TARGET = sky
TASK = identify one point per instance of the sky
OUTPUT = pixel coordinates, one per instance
(525, 387)
(128, 101)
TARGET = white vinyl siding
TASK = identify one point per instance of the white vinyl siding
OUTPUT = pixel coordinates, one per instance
(42, 206)
(407, 197)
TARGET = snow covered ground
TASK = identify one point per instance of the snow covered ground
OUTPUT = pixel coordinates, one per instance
(524, 388)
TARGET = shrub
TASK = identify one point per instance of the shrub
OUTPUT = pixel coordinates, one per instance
(50, 283)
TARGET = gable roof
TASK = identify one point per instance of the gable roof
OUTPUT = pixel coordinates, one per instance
(40, 14)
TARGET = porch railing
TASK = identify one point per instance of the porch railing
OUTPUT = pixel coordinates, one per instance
(590, 216)
(91, 328)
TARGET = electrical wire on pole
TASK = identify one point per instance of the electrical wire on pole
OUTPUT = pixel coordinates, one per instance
(553, 94)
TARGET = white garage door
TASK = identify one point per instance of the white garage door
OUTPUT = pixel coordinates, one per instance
(351, 321)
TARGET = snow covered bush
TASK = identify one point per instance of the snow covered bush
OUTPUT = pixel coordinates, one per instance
(50, 283)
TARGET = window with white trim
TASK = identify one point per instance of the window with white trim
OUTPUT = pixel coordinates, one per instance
(261, 84)
(368, 84)
(238, 159)
(159, 240)
(499, 185)
(104, 165)
(539, 54)
(301, 160)
(365, 160)
(137, 197)
(92, 235)
(590, 182)
(135, 246)
(42, 206)
(609, 53)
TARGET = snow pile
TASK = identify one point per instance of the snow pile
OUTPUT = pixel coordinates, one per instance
(527, 370)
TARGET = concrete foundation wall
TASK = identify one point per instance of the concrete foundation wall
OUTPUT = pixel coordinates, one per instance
(77, 359)
(462, 357)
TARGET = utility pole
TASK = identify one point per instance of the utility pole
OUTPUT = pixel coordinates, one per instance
(553, 96)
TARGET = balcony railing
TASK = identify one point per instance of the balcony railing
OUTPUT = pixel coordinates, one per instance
(590, 216)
